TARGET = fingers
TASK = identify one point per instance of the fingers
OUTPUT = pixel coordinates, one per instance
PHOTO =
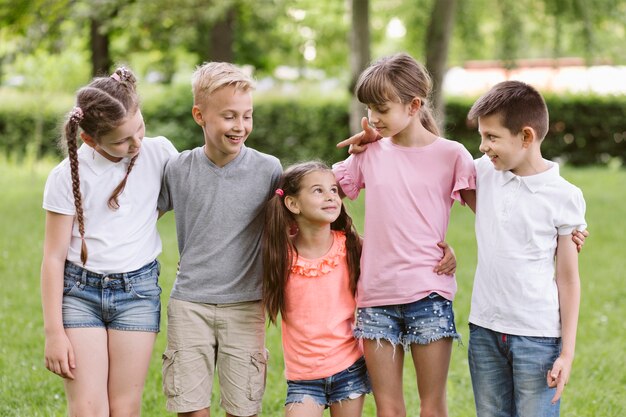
(447, 265)
(62, 368)
(351, 140)
(556, 379)
(356, 148)
(365, 125)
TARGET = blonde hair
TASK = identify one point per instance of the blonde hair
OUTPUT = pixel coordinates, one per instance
(212, 76)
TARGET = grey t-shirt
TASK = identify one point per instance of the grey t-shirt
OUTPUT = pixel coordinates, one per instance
(219, 222)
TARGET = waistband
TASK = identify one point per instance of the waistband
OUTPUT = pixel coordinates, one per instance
(85, 273)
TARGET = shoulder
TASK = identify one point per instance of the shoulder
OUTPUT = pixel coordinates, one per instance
(453, 146)
(263, 158)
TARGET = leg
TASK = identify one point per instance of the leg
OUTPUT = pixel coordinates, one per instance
(431, 363)
(307, 408)
(348, 408)
(384, 365)
(241, 357)
(129, 359)
(199, 413)
(87, 392)
(532, 358)
(491, 372)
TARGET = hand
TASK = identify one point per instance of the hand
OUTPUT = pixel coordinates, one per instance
(358, 143)
(558, 376)
(447, 265)
(59, 355)
(579, 238)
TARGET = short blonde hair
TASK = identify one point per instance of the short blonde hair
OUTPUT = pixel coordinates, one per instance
(212, 76)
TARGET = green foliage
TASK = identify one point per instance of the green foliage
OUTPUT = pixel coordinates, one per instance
(595, 388)
(583, 129)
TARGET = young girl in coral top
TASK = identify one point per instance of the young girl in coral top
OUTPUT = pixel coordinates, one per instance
(310, 279)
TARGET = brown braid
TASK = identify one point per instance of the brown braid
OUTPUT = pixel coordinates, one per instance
(71, 128)
(101, 106)
(113, 203)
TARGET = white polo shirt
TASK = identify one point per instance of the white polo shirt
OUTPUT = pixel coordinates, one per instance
(518, 221)
(120, 240)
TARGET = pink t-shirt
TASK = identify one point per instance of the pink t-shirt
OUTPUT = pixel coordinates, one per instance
(317, 332)
(410, 192)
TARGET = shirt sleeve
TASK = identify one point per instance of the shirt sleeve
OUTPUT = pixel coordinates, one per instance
(164, 203)
(349, 176)
(57, 195)
(572, 216)
(464, 174)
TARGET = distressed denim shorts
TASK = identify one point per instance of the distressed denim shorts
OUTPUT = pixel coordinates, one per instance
(126, 301)
(348, 384)
(422, 322)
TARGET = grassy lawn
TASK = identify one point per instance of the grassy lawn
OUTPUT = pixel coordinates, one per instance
(27, 389)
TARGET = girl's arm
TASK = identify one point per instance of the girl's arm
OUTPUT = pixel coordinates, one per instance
(568, 284)
(59, 355)
(469, 196)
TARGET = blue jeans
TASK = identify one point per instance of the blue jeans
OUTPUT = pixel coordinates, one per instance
(129, 301)
(509, 373)
(348, 384)
(421, 322)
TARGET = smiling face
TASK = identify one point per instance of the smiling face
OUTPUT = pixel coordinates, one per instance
(122, 142)
(226, 120)
(507, 151)
(318, 200)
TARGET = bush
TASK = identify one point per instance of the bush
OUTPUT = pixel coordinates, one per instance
(584, 130)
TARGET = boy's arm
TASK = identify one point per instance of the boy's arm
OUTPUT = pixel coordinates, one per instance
(568, 284)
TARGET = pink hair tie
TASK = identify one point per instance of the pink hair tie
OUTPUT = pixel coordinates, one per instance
(116, 77)
(76, 115)
(280, 192)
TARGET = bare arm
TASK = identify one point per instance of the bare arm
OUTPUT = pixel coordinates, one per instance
(59, 355)
(469, 196)
(568, 284)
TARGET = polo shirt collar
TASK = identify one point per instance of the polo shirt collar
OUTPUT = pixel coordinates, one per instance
(533, 182)
(97, 163)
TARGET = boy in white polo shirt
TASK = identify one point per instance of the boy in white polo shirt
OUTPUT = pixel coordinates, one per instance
(525, 301)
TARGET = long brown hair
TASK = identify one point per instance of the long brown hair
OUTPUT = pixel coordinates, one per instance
(101, 106)
(278, 249)
(396, 78)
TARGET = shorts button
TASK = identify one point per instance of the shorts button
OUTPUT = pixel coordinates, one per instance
(106, 280)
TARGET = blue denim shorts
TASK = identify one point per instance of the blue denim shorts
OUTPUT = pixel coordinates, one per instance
(422, 322)
(350, 383)
(125, 301)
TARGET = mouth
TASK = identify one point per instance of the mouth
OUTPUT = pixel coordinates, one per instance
(235, 139)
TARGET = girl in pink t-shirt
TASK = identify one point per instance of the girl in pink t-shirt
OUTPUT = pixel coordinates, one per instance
(412, 176)
(311, 257)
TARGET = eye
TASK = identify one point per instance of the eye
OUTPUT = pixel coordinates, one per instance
(334, 190)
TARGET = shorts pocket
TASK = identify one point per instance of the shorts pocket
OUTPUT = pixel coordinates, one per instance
(69, 286)
(170, 388)
(148, 288)
(257, 372)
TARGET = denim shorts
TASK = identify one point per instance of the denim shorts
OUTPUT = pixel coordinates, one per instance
(509, 373)
(124, 301)
(348, 384)
(422, 322)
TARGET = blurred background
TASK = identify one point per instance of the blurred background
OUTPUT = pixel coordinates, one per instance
(306, 54)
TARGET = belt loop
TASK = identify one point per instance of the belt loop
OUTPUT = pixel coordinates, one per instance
(83, 278)
(126, 282)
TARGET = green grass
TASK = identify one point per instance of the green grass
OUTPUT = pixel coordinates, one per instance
(598, 380)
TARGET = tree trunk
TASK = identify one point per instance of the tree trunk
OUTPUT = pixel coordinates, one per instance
(222, 38)
(100, 58)
(437, 42)
(359, 57)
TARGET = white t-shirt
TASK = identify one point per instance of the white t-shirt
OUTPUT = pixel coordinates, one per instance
(518, 221)
(121, 240)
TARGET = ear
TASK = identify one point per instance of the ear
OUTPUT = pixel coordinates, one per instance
(197, 115)
(88, 140)
(292, 204)
(414, 106)
(529, 136)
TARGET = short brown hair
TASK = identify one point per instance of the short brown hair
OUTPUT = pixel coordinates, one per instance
(518, 105)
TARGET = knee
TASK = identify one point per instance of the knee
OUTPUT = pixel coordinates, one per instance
(394, 411)
(437, 410)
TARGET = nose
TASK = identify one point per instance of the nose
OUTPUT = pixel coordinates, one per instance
(483, 147)
(238, 124)
(372, 117)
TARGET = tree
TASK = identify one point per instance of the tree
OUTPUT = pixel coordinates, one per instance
(359, 56)
(437, 41)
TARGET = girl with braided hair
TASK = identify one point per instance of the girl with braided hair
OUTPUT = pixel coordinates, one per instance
(99, 277)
